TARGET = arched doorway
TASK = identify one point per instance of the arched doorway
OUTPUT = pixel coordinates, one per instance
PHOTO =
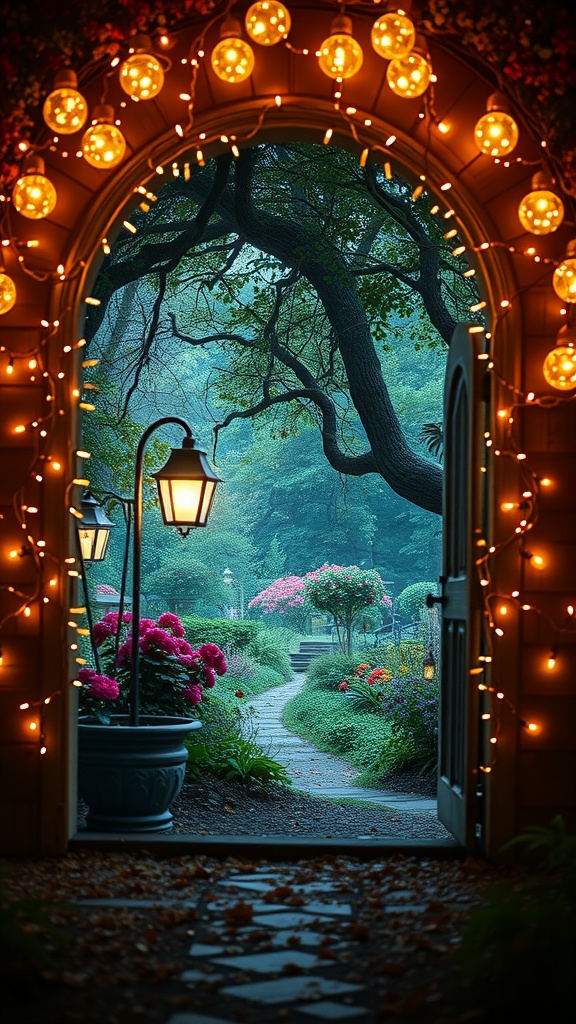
(474, 194)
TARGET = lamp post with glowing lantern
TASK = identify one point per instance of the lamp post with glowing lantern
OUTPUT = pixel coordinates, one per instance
(186, 487)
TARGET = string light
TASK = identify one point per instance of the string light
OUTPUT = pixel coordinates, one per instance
(393, 34)
(409, 76)
(65, 110)
(141, 75)
(232, 58)
(564, 279)
(496, 133)
(34, 195)
(103, 144)
(559, 367)
(541, 211)
(340, 55)
(267, 23)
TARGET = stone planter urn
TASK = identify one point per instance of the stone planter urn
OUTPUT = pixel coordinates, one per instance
(130, 775)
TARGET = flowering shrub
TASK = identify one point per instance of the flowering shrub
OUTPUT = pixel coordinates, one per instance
(173, 676)
(411, 707)
(286, 597)
(344, 591)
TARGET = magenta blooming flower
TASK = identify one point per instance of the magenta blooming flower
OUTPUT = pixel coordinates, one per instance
(98, 686)
(124, 651)
(193, 693)
(209, 677)
(213, 658)
(101, 631)
(170, 621)
(158, 640)
(172, 676)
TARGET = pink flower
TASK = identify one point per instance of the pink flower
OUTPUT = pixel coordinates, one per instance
(98, 686)
(209, 677)
(186, 660)
(124, 651)
(170, 621)
(343, 686)
(101, 631)
(145, 625)
(213, 658)
(111, 619)
(184, 647)
(156, 640)
(193, 693)
(104, 688)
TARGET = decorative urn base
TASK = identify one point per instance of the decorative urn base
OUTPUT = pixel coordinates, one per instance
(130, 775)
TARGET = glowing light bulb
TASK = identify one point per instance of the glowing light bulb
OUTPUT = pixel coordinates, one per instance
(34, 195)
(141, 74)
(393, 35)
(538, 562)
(559, 366)
(7, 293)
(496, 133)
(103, 145)
(340, 54)
(541, 211)
(65, 110)
(409, 76)
(564, 279)
(267, 23)
(232, 58)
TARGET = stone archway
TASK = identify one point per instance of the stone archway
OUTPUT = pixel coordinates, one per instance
(476, 196)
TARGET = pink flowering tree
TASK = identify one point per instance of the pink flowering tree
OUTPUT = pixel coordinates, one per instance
(344, 592)
(173, 676)
(285, 597)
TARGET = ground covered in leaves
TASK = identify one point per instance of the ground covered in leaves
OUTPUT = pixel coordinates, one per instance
(62, 962)
(216, 807)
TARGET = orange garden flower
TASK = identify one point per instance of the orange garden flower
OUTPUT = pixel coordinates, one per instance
(381, 674)
(361, 669)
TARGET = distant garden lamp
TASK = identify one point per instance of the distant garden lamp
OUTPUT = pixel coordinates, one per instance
(93, 529)
(429, 666)
(186, 487)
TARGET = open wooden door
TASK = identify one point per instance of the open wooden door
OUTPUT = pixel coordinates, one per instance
(464, 413)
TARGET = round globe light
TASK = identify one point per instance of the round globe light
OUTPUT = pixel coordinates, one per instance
(393, 35)
(7, 293)
(103, 144)
(541, 211)
(268, 22)
(564, 279)
(409, 76)
(34, 195)
(65, 110)
(496, 132)
(232, 59)
(141, 76)
(560, 368)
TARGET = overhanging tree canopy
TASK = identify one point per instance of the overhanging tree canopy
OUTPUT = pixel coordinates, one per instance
(301, 264)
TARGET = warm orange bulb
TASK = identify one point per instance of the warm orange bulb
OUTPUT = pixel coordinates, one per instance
(340, 54)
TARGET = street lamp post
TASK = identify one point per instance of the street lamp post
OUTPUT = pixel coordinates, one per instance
(186, 487)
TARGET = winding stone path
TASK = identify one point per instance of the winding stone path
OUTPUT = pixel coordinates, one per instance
(311, 770)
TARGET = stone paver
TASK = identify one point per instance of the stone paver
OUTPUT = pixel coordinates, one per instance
(314, 771)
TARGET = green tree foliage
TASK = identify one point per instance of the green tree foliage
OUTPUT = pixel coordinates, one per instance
(304, 269)
(412, 600)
